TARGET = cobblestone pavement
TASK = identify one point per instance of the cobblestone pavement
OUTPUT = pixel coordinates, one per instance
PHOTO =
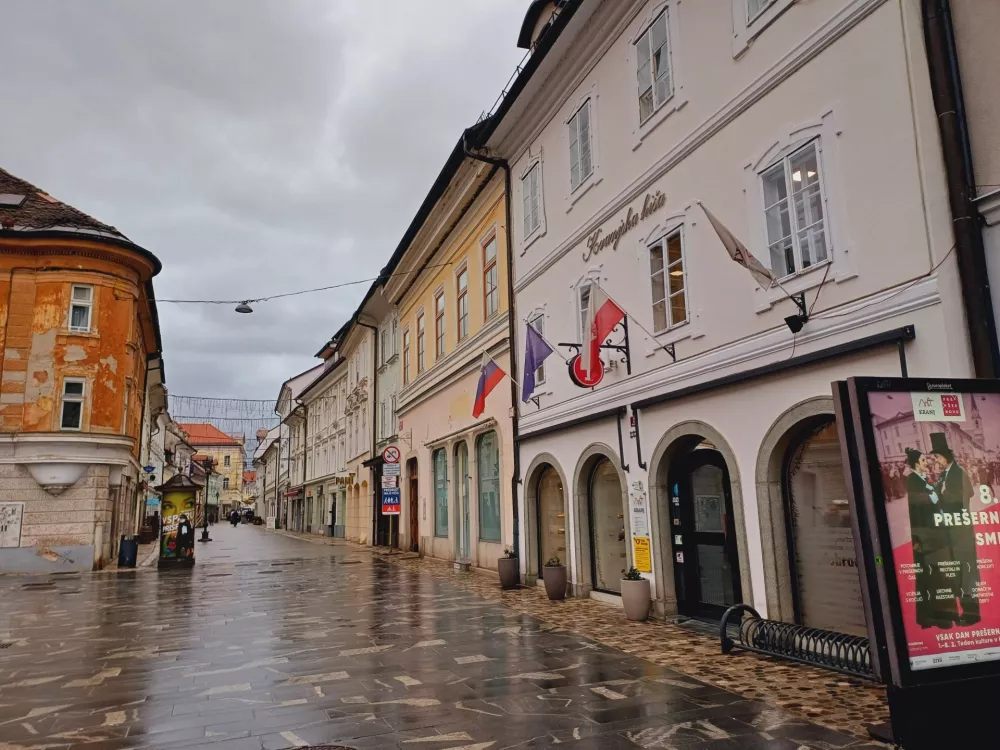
(272, 642)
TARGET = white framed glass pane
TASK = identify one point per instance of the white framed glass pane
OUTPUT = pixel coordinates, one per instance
(71, 388)
(440, 493)
(678, 308)
(72, 415)
(489, 488)
(83, 293)
(642, 50)
(586, 165)
(79, 318)
(646, 104)
(574, 163)
(538, 323)
(491, 250)
(658, 33)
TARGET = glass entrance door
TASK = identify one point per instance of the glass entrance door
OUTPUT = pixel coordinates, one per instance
(608, 555)
(462, 483)
(706, 561)
(551, 521)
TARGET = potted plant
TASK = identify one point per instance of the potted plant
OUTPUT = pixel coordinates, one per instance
(635, 595)
(509, 569)
(554, 575)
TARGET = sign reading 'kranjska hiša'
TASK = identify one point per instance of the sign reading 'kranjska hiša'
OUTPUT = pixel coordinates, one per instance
(598, 241)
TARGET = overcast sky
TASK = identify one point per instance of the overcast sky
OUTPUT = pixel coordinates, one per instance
(255, 146)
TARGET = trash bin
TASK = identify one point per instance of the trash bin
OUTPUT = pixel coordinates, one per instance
(128, 552)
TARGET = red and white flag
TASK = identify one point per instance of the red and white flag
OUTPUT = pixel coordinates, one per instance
(602, 317)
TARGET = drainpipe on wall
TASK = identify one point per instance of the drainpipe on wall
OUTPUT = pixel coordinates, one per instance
(946, 86)
(374, 436)
(511, 332)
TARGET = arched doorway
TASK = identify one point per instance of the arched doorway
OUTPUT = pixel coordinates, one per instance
(550, 526)
(825, 584)
(463, 542)
(703, 533)
(605, 506)
(413, 508)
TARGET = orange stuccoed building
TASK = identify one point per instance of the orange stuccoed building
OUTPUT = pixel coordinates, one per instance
(79, 343)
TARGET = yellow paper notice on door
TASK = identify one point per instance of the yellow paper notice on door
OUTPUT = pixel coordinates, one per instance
(641, 554)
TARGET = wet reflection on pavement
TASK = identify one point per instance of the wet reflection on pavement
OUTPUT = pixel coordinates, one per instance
(273, 642)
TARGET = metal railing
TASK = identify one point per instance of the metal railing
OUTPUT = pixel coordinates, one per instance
(848, 654)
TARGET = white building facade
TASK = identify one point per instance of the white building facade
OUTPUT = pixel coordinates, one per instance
(327, 479)
(810, 133)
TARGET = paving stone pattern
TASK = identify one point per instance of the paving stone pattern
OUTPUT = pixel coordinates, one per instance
(273, 642)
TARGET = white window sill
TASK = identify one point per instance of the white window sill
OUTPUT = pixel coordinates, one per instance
(674, 104)
(532, 238)
(583, 188)
(802, 281)
(89, 334)
(680, 332)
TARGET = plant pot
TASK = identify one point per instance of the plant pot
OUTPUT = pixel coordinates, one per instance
(636, 598)
(509, 572)
(555, 581)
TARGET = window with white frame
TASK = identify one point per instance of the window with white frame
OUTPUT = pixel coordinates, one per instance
(666, 273)
(462, 282)
(225, 481)
(406, 356)
(73, 392)
(491, 281)
(581, 163)
(392, 415)
(583, 306)
(421, 343)
(538, 323)
(384, 353)
(530, 200)
(395, 337)
(439, 329)
(653, 63)
(794, 212)
(80, 308)
(226, 460)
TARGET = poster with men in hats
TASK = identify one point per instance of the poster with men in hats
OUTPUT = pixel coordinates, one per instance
(939, 458)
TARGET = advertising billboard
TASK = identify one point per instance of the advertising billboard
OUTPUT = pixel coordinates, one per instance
(939, 460)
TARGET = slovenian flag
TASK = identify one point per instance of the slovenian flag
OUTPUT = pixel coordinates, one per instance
(602, 317)
(490, 376)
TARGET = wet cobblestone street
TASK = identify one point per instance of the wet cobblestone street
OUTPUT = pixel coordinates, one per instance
(274, 642)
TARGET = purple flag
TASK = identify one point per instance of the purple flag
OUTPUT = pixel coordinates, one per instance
(536, 349)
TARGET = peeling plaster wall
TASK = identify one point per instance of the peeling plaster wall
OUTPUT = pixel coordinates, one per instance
(39, 350)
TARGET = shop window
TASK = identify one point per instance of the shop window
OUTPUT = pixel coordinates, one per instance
(440, 493)
(488, 464)
(824, 570)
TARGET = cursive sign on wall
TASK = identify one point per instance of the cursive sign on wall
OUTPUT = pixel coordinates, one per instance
(599, 241)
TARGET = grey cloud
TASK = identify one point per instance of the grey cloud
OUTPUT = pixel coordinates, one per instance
(256, 147)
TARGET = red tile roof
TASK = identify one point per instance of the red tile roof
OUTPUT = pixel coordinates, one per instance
(202, 435)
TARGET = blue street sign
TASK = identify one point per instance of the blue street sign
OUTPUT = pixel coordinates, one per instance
(390, 501)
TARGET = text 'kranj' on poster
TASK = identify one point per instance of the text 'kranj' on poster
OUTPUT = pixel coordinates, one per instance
(939, 459)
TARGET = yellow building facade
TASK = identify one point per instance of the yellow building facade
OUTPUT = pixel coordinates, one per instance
(456, 469)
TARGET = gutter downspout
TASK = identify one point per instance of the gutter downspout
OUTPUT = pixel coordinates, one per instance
(946, 86)
(511, 332)
(375, 490)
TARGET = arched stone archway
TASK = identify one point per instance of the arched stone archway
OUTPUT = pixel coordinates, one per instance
(801, 438)
(582, 578)
(676, 442)
(537, 470)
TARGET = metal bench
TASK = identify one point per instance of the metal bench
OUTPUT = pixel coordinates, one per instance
(847, 654)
